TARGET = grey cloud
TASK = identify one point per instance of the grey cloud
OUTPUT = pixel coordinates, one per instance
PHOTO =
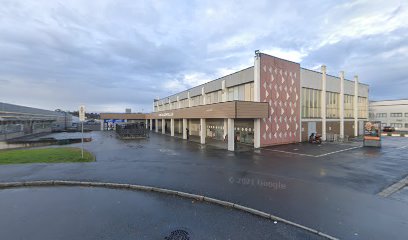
(111, 56)
(367, 58)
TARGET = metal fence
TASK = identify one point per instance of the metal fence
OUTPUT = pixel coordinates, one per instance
(330, 137)
(132, 130)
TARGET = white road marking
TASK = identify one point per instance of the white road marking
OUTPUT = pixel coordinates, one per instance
(394, 188)
(347, 149)
(309, 155)
(301, 154)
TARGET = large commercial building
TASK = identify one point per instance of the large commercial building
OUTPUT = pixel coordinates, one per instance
(392, 113)
(273, 102)
(17, 121)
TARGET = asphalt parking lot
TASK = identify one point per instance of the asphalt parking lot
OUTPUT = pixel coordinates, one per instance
(401, 195)
(314, 150)
(118, 214)
(335, 193)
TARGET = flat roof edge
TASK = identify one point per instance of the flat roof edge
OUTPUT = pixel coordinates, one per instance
(345, 79)
(155, 100)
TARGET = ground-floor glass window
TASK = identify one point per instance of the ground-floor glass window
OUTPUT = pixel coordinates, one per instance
(244, 129)
(215, 129)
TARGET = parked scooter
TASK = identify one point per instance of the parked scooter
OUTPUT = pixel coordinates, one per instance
(315, 138)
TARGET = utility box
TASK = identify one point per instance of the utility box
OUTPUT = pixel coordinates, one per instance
(372, 134)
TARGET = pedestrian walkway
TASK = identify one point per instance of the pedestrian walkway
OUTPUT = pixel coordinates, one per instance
(240, 147)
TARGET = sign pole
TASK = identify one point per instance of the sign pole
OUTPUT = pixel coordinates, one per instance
(82, 119)
(82, 140)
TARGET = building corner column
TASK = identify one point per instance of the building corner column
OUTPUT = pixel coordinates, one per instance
(225, 127)
(203, 130)
(257, 133)
(156, 128)
(231, 135)
(184, 128)
(257, 77)
(341, 105)
(257, 98)
(163, 126)
(355, 105)
(172, 127)
(151, 124)
(323, 103)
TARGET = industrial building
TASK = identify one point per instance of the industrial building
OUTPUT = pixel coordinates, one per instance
(393, 113)
(109, 120)
(18, 121)
(275, 101)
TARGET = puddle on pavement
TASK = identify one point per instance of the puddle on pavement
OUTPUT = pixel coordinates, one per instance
(168, 151)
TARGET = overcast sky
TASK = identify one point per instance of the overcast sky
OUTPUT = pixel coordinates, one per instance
(111, 55)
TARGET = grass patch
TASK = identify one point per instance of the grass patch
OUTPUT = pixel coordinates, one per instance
(44, 155)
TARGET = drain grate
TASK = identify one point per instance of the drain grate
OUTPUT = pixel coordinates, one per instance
(178, 235)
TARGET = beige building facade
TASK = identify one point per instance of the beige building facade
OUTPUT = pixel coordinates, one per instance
(273, 102)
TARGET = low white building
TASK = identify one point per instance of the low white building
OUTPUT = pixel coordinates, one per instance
(392, 113)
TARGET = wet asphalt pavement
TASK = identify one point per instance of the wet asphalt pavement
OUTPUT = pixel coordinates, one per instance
(335, 193)
(96, 213)
(401, 195)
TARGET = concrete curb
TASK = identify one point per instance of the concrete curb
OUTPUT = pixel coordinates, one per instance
(252, 211)
(219, 202)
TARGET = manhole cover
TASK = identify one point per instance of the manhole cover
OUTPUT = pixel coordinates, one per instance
(178, 235)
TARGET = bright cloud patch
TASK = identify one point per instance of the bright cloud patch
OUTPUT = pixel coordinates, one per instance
(291, 55)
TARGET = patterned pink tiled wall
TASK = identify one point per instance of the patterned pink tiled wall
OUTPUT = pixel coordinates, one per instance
(280, 87)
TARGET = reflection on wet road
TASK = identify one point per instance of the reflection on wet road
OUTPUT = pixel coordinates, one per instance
(336, 193)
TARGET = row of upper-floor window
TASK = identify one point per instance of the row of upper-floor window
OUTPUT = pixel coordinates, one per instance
(311, 105)
(311, 101)
(243, 92)
(384, 115)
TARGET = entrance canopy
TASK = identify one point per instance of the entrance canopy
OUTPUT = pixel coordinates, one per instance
(123, 116)
(233, 109)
